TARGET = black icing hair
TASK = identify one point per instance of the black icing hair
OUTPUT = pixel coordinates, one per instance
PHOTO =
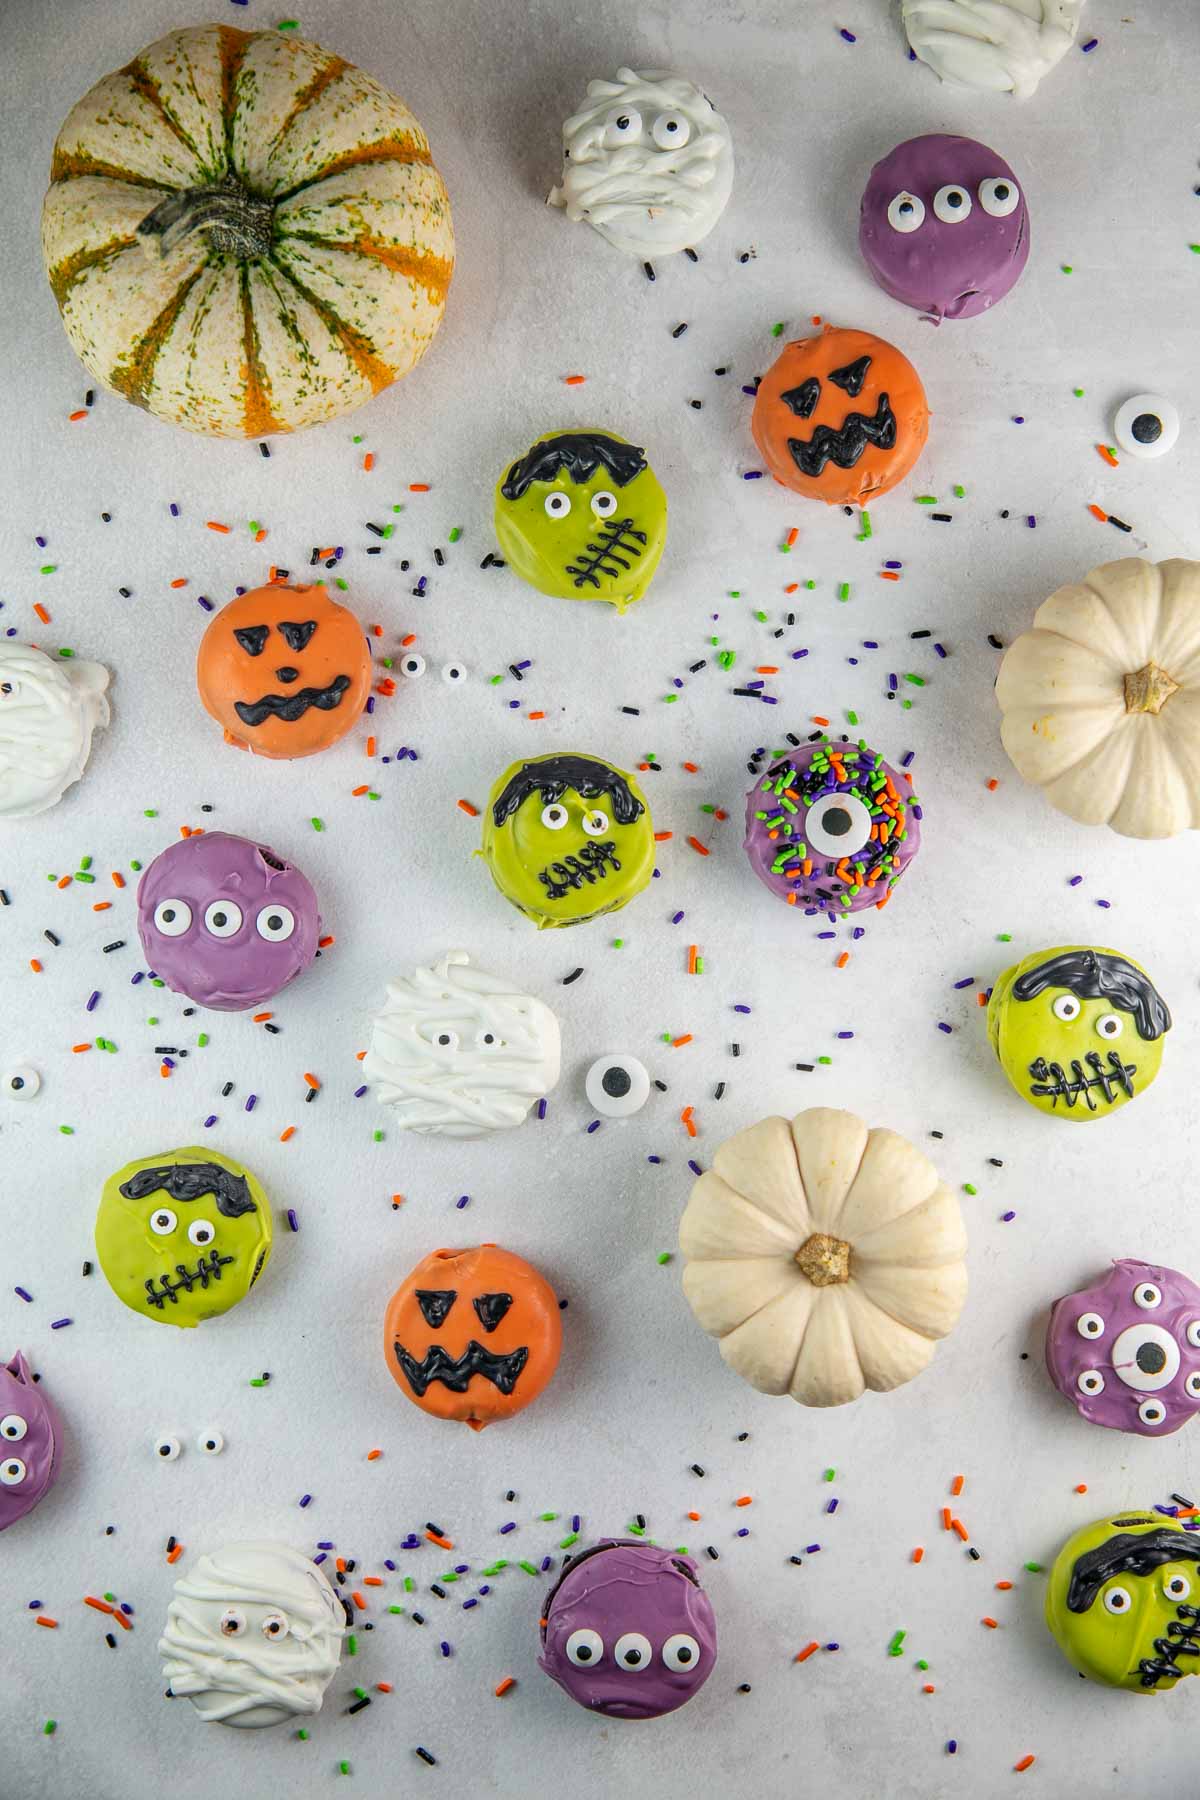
(1127, 1554)
(1099, 975)
(555, 774)
(580, 453)
(191, 1181)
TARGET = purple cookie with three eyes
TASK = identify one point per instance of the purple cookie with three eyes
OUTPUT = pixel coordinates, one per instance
(1127, 1351)
(628, 1631)
(943, 226)
(226, 922)
(30, 1435)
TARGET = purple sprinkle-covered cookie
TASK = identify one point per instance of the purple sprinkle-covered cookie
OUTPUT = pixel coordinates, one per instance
(30, 1435)
(1127, 1351)
(943, 226)
(831, 827)
(226, 922)
(628, 1631)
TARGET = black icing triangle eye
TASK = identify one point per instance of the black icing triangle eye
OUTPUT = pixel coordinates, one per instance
(851, 377)
(435, 1303)
(253, 638)
(491, 1308)
(801, 400)
(296, 635)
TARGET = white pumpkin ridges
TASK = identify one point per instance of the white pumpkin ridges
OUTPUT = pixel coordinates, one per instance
(888, 1353)
(1177, 640)
(719, 1222)
(927, 1301)
(726, 1294)
(1152, 770)
(829, 1146)
(892, 1178)
(827, 1372)
(1131, 589)
(1044, 668)
(765, 1348)
(927, 1237)
(760, 1163)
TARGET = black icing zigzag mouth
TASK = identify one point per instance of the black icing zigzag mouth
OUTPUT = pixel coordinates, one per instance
(845, 446)
(590, 863)
(207, 1269)
(1051, 1081)
(290, 707)
(619, 545)
(455, 1373)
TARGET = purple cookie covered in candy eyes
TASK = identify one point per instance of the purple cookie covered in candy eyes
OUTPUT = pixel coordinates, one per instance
(30, 1435)
(1127, 1351)
(628, 1631)
(943, 226)
(226, 922)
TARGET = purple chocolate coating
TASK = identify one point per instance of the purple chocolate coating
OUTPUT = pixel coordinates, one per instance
(246, 968)
(951, 269)
(621, 1590)
(31, 1435)
(843, 794)
(1133, 1366)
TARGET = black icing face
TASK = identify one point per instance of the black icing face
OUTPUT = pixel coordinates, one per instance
(501, 1368)
(843, 443)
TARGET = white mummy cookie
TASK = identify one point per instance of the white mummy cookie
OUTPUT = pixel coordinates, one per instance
(49, 709)
(253, 1635)
(647, 161)
(1002, 45)
(459, 1052)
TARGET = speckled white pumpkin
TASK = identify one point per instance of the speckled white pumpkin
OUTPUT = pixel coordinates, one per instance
(825, 1257)
(244, 233)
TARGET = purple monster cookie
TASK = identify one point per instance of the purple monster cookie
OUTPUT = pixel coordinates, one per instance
(628, 1631)
(831, 827)
(30, 1434)
(226, 922)
(1127, 1351)
(943, 226)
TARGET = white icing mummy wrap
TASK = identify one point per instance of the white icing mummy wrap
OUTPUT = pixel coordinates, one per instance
(647, 161)
(49, 709)
(1002, 45)
(459, 1052)
(253, 1635)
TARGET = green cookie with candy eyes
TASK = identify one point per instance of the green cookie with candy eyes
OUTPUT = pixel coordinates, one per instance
(567, 837)
(183, 1236)
(582, 516)
(1121, 1601)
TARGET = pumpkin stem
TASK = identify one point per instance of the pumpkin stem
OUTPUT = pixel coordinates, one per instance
(1148, 689)
(825, 1260)
(238, 223)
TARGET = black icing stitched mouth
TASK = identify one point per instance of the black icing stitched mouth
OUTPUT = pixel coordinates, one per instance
(207, 1269)
(1051, 1081)
(1182, 1639)
(456, 1372)
(591, 864)
(845, 446)
(618, 543)
(291, 707)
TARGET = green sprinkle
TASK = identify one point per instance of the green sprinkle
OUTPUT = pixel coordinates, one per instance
(969, 1189)
(618, 943)
(810, 584)
(338, 582)
(410, 1586)
(357, 438)
(66, 653)
(202, 1041)
(699, 965)
(894, 1648)
(852, 718)
(343, 1767)
(372, 795)
(495, 680)
(377, 1137)
(135, 864)
(921, 1663)
(302, 1734)
(253, 525)
(257, 1381)
(547, 1516)
(959, 491)
(50, 1727)
(1067, 268)
(85, 862)
(82, 875)
(450, 1576)
(293, 25)
(47, 568)
(866, 532)
(157, 981)
(398, 507)
(388, 530)
(777, 329)
(529, 1568)
(495, 1568)
(395, 1609)
(843, 592)
(727, 658)
(352, 1645)
(926, 499)
(670, 699)
(151, 812)
(829, 1474)
(825, 1059)
(455, 534)
(67, 1130)
(153, 1019)
(565, 1543)
(637, 1530)
(664, 1256)
(1034, 1568)
(917, 680)
(1004, 937)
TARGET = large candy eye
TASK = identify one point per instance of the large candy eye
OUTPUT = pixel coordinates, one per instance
(488, 1040)
(1191, 1386)
(172, 917)
(623, 127)
(837, 825)
(632, 1652)
(558, 504)
(201, 1232)
(223, 918)
(595, 823)
(211, 1443)
(412, 666)
(554, 816)
(454, 673)
(274, 1626)
(1145, 1357)
(167, 1448)
(999, 196)
(12, 1471)
(162, 1221)
(1117, 1600)
(584, 1648)
(670, 131)
(1152, 1412)
(1091, 1382)
(1110, 1025)
(1147, 1295)
(1177, 1587)
(617, 1086)
(1066, 1008)
(906, 213)
(13, 1427)
(1090, 1325)
(232, 1622)
(681, 1652)
(952, 204)
(21, 1082)
(1147, 426)
(604, 504)
(444, 1039)
(275, 923)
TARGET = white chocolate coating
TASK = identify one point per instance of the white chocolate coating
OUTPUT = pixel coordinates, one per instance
(249, 1678)
(49, 708)
(1001, 45)
(646, 198)
(468, 1086)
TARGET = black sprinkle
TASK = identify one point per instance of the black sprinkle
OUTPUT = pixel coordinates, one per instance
(439, 559)
(4, 900)
(1180, 1501)
(995, 1162)
(973, 1553)
(89, 399)
(264, 449)
(796, 1559)
(695, 668)
(375, 530)
(679, 330)
(165, 1050)
(807, 1068)
(374, 549)
(719, 1091)
(735, 1049)
(994, 641)
(742, 1436)
(359, 1704)
(405, 565)
(311, 1096)
(417, 1618)
(1119, 523)
(712, 1552)
(636, 711)
(515, 672)
(51, 938)
(695, 405)
(573, 976)
(1004, 514)
(425, 1756)
(639, 1520)
(283, 574)
(747, 693)
(661, 1086)
(107, 517)
(691, 256)
(125, 593)
(117, 944)
(743, 1687)
(723, 370)
(920, 634)
(944, 518)
(649, 271)
(171, 1543)
(937, 1134)
(87, 1268)
(110, 1640)
(511, 1494)
(273, 1029)
(696, 1469)
(227, 1090)
(206, 806)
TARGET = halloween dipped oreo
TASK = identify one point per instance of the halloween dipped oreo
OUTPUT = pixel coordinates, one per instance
(581, 516)
(183, 1236)
(472, 1335)
(1126, 1351)
(49, 710)
(30, 1440)
(1079, 1031)
(567, 837)
(1123, 1601)
(840, 417)
(285, 670)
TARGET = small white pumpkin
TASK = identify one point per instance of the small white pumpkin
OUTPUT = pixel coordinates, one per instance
(1101, 700)
(244, 233)
(825, 1257)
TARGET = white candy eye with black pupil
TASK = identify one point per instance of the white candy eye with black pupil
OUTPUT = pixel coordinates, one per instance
(275, 923)
(554, 816)
(617, 1086)
(488, 1040)
(1066, 1007)
(211, 1443)
(274, 1626)
(632, 1652)
(1177, 1587)
(623, 127)
(1110, 1025)
(21, 1083)
(1193, 1334)
(12, 1471)
(454, 673)
(558, 504)
(1146, 426)
(595, 823)
(837, 825)
(906, 213)
(412, 666)
(201, 1232)
(445, 1039)
(1147, 1295)
(681, 1652)
(670, 131)
(162, 1221)
(1191, 1386)
(1090, 1325)
(584, 1648)
(1152, 1412)
(13, 1427)
(232, 1623)
(167, 1448)
(1145, 1357)
(952, 204)
(172, 917)
(1091, 1382)
(604, 504)
(999, 195)
(223, 918)
(1117, 1601)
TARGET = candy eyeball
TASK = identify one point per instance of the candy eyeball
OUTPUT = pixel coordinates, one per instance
(1177, 1587)
(13, 1428)
(595, 823)
(952, 204)
(558, 504)
(1152, 1412)
(623, 127)
(1117, 1601)
(12, 1471)
(167, 1448)
(1090, 1325)
(162, 1221)
(632, 1651)
(906, 212)
(454, 673)
(999, 196)
(1110, 1025)
(1147, 1294)
(1066, 1007)
(617, 1086)
(275, 923)
(584, 1648)
(274, 1626)
(21, 1082)
(223, 918)
(1146, 426)
(681, 1651)
(232, 1622)
(1090, 1382)
(604, 504)
(837, 825)
(554, 816)
(670, 131)
(211, 1443)
(201, 1232)
(172, 917)
(412, 666)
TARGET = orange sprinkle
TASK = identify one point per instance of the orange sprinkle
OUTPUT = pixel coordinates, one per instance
(803, 1655)
(41, 612)
(1004, 1586)
(359, 791)
(1098, 513)
(360, 1600)
(49, 1623)
(418, 487)
(81, 414)
(35, 965)
(791, 537)
(842, 960)
(816, 318)
(311, 1080)
(1026, 1762)
(101, 905)
(691, 962)
(373, 1580)
(1082, 1488)
(536, 715)
(374, 1455)
(324, 942)
(662, 837)
(919, 1553)
(946, 1518)
(179, 581)
(685, 1039)
(213, 525)
(888, 575)
(791, 587)
(100, 1605)
(472, 812)
(383, 1687)
(78, 1048)
(929, 1688)
(697, 846)
(956, 1486)
(397, 1199)
(744, 1500)
(510, 1680)
(767, 669)
(369, 461)
(818, 720)
(958, 1526)
(122, 1621)
(257, 1018)
(689, 1125)
(406, 641)
(990, 1623)
(286, 1136)
(982, 999)
(1108, 456)
(992, 785)
(718, 814)
(174, 1555)
(370, 746)
(339, 1563)
(692, 768)
(259, 535)
(118, 880)
(570, 381)
(694, 1516)
(435, 1538)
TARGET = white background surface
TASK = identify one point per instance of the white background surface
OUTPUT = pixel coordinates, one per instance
(1107, 153)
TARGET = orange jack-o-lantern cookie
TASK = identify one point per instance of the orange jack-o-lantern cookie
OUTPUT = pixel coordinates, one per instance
(473, 1334)
(285, 670)
(840, 417)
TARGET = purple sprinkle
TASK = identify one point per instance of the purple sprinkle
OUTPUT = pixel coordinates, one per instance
(126, 1608)
(858, 932)
(1104, 903)
(485, 1589)
(292, 1220)
(206, 604)
(893, 682)
(505, 1529)
(941, 650)
(1090, 45)
(594, 1126)
(463, 1200)
(738, 1008)
(751, 474)
(251, 1102)
(654, 1159)
(319, 1559)
(1031, 521)
(952, 1746)
(693, 1166)
(523, 665)
(797, 654)
(942, 1026)
(445, 1648)
(546, 1562)
(1018, 418)
(756, 684)
(893, 565)
(832, 1507)
(304, 1499)
(833, 1646)
(768, 699)
(370, 706)
(35, 1605)
(325, 1544)
(575, 1521)
(906, 760)
(1005, 1218)
(967, 981)
(169, 1063)
(91, 1005)
(1075, 881)
(676, 918)
(22, 1295)
(468, 1604)
(40, 542)
(827, 934)
(744, 1531)
(210, 1121)
(389, 1564)
(811, 1549)
(848, 35)
(174, 509)
(845, 1034)
(675, 681)
(868, 644)
(541, 1113)
(752, 391)
(359, 1092)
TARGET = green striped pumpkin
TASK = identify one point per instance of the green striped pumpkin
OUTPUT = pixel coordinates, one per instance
(244, 233)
